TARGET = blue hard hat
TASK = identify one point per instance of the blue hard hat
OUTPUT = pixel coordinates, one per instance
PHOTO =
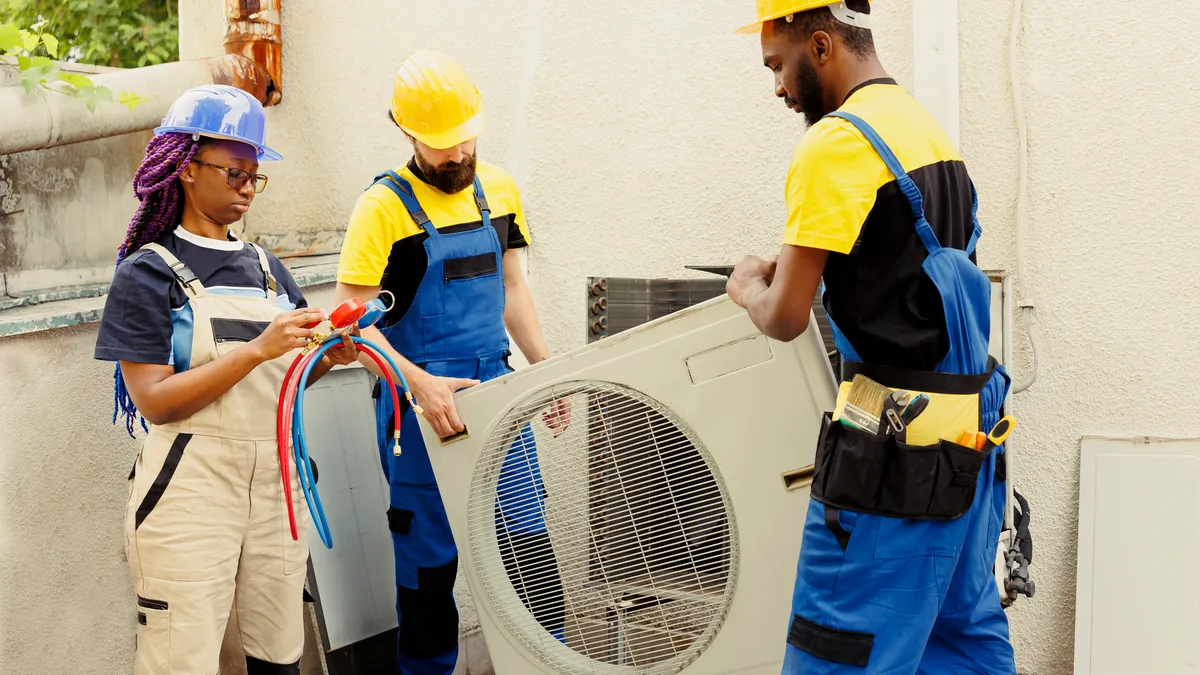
(219, 111)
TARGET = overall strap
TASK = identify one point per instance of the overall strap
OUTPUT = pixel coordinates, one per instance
(976, 229)
(394, 182)
(840, 341)
(907, 186)
(183, 274)
(481, 202)
(271, 285)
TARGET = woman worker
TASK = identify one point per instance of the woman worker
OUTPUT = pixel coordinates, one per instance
(203, 327)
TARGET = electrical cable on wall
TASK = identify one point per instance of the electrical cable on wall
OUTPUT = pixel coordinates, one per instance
(1026, 305)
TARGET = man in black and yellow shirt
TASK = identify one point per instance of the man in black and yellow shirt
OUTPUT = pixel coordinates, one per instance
(442, 236)
(895, 570)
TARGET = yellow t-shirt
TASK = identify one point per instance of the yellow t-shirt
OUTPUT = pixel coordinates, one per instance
(842, 198)
(385, 246)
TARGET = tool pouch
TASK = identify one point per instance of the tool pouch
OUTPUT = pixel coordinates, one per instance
(878, 474)
(866, 473)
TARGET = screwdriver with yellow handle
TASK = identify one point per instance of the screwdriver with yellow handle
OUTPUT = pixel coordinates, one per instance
(999, 433)
(994, 438)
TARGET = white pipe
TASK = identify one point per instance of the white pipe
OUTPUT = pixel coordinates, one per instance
(935, 61)
(1024, 298)
(46, 119)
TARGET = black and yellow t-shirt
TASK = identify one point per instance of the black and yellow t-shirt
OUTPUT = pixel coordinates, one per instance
(842, 198)
(385, 247)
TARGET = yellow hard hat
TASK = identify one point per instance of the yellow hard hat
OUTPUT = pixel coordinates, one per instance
(435, 102)
(769, 10)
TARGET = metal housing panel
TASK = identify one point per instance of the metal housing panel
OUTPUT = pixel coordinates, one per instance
(354, 582)
(758, 422)
(1137, 603)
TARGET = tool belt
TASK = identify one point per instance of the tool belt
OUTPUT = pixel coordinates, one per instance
(879, 474)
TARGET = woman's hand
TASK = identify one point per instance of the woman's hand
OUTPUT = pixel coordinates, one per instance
(435, 395)
(285, 333)
(345, 353)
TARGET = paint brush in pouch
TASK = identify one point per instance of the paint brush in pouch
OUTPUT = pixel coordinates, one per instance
(864, 404)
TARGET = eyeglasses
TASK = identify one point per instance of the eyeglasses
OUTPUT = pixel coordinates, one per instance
(237, 178)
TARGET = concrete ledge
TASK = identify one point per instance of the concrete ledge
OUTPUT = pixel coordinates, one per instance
(63, 307)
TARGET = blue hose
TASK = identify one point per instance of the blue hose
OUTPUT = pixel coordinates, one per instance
(299, 444)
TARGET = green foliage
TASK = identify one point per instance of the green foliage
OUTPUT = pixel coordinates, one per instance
(118, 33)
(42, 71)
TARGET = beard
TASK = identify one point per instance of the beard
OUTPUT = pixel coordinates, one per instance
(808, 83)
(450, 177)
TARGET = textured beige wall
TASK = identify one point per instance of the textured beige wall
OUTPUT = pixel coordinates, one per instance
(644, 137)
(66, 598)
(63, 211)
(66, 601)
(1111, 254)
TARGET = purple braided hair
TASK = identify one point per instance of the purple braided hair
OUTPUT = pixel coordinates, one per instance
(156, 184)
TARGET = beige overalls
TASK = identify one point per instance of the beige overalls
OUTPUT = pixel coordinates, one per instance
(206, 514)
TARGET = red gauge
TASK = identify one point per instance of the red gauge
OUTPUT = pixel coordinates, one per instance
(347, 313)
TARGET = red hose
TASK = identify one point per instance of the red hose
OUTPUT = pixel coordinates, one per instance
(286, 410)
(283, 438)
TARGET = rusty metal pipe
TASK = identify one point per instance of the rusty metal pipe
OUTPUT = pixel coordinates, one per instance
(252, 62)
(253, 29)
(47, 119)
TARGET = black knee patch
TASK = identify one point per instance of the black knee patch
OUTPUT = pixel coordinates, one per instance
(428, 616)
(831, 644)
(316, 475)
(533, 571)
(400, 522)
(259, 667)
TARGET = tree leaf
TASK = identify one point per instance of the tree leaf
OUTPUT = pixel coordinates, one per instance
(31, 40)
(100, 32)
(130, 100)
(41, 61)
(76, 80)
(10, 37)
(94, 96)
(50, 72)
(31, 79)
(24, 62)
(51, 43)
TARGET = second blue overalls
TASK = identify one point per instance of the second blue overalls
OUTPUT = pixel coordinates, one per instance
(895, 571)
(455, 328)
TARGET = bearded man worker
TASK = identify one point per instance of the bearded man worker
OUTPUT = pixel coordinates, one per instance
(443, 236)
(895, 569)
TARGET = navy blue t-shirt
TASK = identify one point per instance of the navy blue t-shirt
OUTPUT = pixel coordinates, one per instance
(147, 318)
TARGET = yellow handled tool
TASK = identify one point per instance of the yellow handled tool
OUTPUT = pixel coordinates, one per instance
(999, 433)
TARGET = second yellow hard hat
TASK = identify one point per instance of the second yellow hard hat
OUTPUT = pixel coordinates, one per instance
(769, 10)
(435, 102)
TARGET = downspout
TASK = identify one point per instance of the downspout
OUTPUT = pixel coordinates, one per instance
(252, 62)
(254, 31)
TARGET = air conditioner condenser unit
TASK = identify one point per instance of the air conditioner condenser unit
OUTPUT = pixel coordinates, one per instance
(674, 501)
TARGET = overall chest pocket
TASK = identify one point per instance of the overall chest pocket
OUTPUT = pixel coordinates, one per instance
(248, 407)
(471, 283)
(469, 267)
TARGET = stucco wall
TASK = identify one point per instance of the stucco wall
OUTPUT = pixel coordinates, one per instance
(66, 599)
(63, 211)
(645, 137)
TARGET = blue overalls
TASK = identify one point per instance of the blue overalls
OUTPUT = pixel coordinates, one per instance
(911, 592)
(453, 328)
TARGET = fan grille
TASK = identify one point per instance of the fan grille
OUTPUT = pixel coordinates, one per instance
(638, 559)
